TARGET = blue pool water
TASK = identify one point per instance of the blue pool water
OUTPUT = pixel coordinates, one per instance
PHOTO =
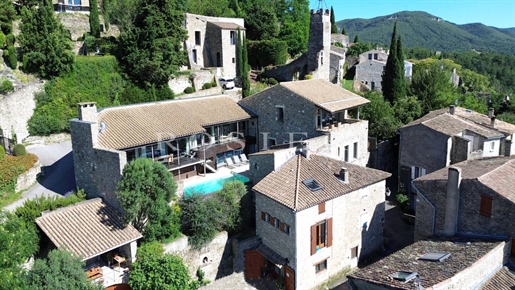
(213, 185)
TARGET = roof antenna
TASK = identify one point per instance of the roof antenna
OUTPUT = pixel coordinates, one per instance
(321, 4)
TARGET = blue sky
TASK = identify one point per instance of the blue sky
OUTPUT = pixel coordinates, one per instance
(497, 13)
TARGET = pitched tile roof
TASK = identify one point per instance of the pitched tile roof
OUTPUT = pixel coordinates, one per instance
(463, 255)
(271, 255)
(503, 279)
(145, 123)
(87, 229)
(285, 184)
(322, 93)
(497, 173)
(441, 120)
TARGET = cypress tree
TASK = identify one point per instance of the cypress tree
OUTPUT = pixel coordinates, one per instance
(245, 90)
(344, 32)
(399, 79)
(106, 9)
(390, 68)
(240, 67)
(356, 39)
(334, 28)
(94, 22)
(7, 16)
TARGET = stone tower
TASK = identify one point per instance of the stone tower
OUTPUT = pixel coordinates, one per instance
(319, 44)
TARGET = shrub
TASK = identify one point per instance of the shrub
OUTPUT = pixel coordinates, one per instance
(206, 86)
(19, 150)
(266, 52)
(189, 90)
(2, 39)
(402, 199)
(12, 58)
(272, 81)
(10, 39)
(11, 167)
(2, 153)
(6, 86)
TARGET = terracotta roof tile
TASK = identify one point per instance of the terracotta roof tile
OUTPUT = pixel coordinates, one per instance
(462, 256)
(441, 120)
(140, 124)
(503, 279)
(87, 229)
(285, 184)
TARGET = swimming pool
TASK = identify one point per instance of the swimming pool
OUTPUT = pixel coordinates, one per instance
(213, 185)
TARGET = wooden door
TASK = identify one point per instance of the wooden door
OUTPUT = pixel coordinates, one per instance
(254, 263)
(289, 278)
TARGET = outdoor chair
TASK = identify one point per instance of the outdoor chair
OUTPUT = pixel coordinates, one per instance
(237, 160)
(230, 163)
(244, 158)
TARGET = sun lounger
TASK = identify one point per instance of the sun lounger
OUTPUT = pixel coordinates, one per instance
(244, 158)
(237, 160)
(229, 162)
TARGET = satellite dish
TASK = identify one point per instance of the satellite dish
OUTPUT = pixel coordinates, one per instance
(388, 191)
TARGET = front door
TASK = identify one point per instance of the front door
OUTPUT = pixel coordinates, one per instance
(289, 278)
(254, 263)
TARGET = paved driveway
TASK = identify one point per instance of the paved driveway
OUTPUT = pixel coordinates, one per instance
(58, 176)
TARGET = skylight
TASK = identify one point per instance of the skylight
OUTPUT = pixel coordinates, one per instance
(312, 184)
(404, 276)
(435, 257)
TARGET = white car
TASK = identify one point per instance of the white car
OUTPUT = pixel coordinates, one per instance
(226, 83)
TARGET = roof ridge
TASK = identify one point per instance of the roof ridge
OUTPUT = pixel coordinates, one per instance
(69, 207)
(297, 180)
(497, 168)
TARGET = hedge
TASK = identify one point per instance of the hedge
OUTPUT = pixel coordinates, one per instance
(19, 150)
(267, 52)
(12, 166)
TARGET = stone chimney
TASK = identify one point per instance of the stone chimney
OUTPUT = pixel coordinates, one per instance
(491, 115)
(88, 111)
(452, 109)
(452, 201)
(304, 150)
(344, 174)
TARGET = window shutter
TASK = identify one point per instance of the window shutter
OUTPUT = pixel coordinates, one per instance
(485, 208)
(313, 239)
(423, 172)
(330, 232)
(272, 221)
(281, 227)
(321, 207)
(263, 215)
(412, 172)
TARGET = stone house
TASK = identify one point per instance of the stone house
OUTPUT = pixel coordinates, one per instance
(473, 197)
(369, 70)
(439, 264)
(316, 216)
(212, 42)
(189, 136)
(71, 5)
(316, 111)
(448, 136)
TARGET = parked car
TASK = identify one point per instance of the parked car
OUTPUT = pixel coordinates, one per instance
(226, 83)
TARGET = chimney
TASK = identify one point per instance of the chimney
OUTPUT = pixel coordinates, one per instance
(344, 174)
(452, 201)
(451, 109)
(304, 150)
(491, 115)
(88, 111)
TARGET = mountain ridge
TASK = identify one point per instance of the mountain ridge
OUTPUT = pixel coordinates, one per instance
(421, 29)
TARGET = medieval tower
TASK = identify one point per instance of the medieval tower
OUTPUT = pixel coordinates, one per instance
(319, 44)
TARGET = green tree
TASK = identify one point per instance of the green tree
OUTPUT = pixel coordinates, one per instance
(145, 192)
(151, 49)
(18, 241)
(390, 69)
(94, 21)
(60, 271)
(123, 13)
(44, 42)
(229, 198)
(155, 271)
(106, 12)
(359, 48)
(240, 66)
(399, 81)
(356, 39)
(245, 82)
(334, 28)
(261, 22)
(7, 16)
(380, 114)
(218, 8)
(295, 19)
(407, 109)
(344, 32)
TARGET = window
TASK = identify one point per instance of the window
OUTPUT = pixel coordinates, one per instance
(321, 207)
(346, 153)
(485, 208)
(321, 235)
(375, 55)
(287, 229)
(233, 60)
(312, 184)
(233, 37)
(271, 142)
(321, 266)
(265, 216)
(369, 56)
(354, 252)
(194, 52)
(372, 85)
(355, 150)
(197, 37)
(417, 171)
(279, 114)
(276, 223)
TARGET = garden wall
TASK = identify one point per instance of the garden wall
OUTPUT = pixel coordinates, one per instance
(26, 179)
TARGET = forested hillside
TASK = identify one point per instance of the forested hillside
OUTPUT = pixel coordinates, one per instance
(420, 29)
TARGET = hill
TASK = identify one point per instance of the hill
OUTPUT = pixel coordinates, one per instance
(421, 29)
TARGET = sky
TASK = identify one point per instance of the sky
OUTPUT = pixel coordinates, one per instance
(497, 13)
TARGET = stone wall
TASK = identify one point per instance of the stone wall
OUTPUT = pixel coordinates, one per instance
(27, 179)
(215, 258)
(370, 74)
(16, 109)
(459, 149)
